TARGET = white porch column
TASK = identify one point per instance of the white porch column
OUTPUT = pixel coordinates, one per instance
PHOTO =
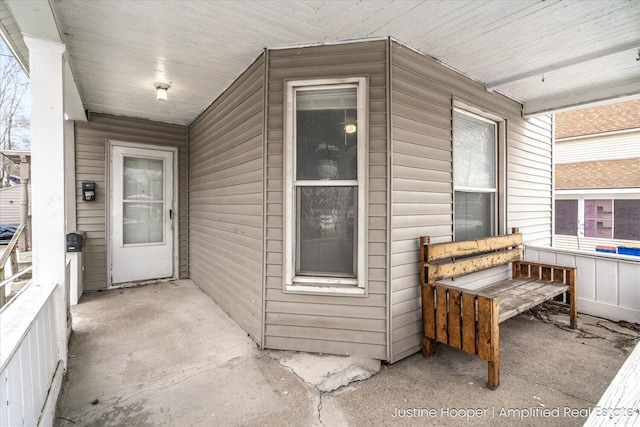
(47, 178)
(47, 159)
(70, 176)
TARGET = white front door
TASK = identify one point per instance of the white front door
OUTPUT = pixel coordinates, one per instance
(142, 214)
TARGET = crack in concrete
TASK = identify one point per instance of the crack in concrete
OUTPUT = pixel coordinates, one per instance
(320, 409)
(622, 340)
(298, 376)
(559, 391)
(313, 388)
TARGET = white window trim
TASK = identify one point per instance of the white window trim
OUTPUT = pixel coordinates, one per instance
(330, 285)
(500, 201)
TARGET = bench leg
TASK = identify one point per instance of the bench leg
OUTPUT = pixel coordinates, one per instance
(573, 312)
(494, 374)
(573, 299)
(428, 347)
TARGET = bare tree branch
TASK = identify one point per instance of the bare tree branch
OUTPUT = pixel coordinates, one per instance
(14, 87)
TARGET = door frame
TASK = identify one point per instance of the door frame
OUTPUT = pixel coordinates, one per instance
(174, 203)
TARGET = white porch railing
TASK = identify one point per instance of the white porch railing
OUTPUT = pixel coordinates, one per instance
(608, 285)
(8, 257)
(619, 404)
(33, 354)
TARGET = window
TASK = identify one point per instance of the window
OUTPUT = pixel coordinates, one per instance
(626, 219)
(325, 171)
(567, 217)
(597, 219)
(475, 177)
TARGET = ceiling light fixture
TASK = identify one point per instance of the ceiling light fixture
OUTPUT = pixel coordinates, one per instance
(161, 90)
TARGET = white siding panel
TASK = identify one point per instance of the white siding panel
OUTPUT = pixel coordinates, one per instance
(625, 145)
(226, 199)
(422, 92)
(629, 286)
(607, 272)
(587, 243)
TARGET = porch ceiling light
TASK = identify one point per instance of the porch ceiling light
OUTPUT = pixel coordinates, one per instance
(161, 90)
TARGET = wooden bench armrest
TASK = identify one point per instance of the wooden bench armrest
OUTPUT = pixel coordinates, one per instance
(561, 274)
(543, 271)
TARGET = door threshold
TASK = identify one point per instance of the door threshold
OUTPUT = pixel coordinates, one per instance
(141, 283)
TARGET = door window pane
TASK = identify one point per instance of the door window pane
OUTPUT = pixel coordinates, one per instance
(142, 223)
(326, 230)
(142, 204)
(143, 179)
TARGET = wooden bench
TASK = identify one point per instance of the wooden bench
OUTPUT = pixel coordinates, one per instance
(469, 319)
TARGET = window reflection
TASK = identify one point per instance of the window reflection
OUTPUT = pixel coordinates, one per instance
(326, 230)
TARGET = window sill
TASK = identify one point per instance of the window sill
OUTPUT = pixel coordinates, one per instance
(325, 289)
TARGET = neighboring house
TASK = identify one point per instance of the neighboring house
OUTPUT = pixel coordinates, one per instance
(10, 204)
(301, 192)
(17, 167)
(597, 177)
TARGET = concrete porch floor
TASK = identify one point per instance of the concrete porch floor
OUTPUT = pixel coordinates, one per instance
(166, 355)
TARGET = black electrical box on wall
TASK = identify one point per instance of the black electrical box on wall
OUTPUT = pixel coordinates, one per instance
(89, 191)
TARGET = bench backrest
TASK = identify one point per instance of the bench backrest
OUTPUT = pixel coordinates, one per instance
(440, 260)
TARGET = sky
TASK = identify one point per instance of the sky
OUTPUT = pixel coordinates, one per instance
(21, 137)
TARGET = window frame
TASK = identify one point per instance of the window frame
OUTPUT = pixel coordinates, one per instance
(499, 189)
(321, 283)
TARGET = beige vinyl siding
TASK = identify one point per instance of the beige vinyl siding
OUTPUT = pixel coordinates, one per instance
(10, 204)
(226, 199)
(530, 178)
(422, 96)
(91, 165)
(329, 324)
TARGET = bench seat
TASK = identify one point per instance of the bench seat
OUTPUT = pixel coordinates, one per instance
(516, 296)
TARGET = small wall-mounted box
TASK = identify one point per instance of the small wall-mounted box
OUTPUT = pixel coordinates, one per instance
(76, 240)
(89, 191)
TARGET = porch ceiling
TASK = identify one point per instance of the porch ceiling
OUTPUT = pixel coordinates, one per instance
(548, 55)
